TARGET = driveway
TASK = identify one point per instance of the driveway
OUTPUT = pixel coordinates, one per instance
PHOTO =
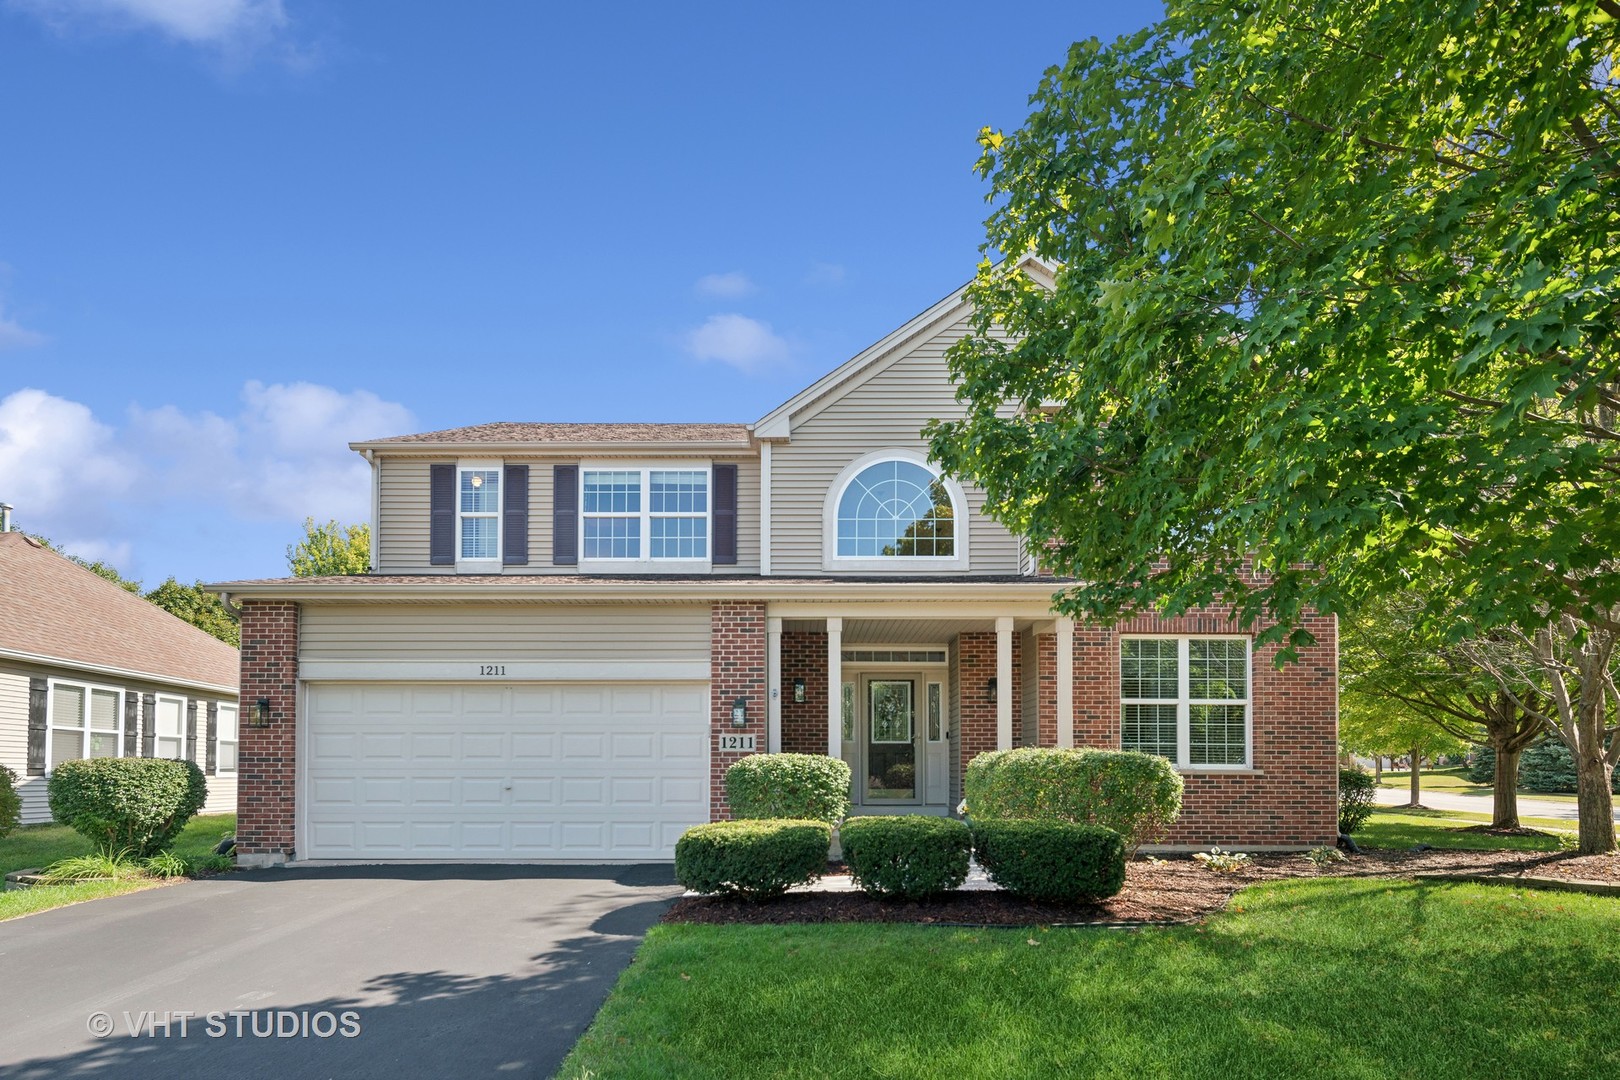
(360, 971)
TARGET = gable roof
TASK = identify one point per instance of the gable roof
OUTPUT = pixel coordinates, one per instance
(716, 436)
(52, 609)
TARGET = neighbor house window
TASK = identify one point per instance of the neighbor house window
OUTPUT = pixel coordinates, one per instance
(896, 509)
(1186, 698)
(225, 725)
(641, 514)
(479, 512)
(169, 727)
(85, 722)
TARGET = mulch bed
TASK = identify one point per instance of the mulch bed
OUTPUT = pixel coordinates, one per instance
(1157, 892)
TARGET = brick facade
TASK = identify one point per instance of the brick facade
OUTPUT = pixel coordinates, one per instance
(804, 724)
(266, 788)
(736, 670)
(976, 666)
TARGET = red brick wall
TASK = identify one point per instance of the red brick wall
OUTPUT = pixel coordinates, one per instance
(1290, 795)
(976, 659)
(265, 790)
(804, 725)
(1046, 688)
(736, 670)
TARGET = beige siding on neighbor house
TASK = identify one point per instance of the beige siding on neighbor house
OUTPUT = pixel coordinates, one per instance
(404, 505)
(887, 411)
(503, 632)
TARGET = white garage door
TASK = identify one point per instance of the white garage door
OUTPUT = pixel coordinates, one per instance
(428, 771)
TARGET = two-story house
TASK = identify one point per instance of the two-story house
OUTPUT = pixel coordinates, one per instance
(572, 630)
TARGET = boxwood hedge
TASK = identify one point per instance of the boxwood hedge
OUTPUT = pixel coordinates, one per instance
(757, 859)
(1053, 861)
(133, 805)
(1137, 795)
(909, 856)
(810, 787)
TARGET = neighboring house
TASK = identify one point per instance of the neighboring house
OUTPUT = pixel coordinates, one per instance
(90, 670)
(573, 630)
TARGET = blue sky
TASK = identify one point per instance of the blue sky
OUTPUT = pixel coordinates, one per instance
(236, 235)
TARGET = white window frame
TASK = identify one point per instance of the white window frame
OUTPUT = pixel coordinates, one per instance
(833, 561)
(1183, 700)
(158, 699)
(84, 730)
(499, 514)
(220, 740)
(645, 515)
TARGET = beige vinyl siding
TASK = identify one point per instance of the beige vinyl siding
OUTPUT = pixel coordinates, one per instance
(503, 632)
(221, 789)
(404, 508)
(886, 411)
(14, 745)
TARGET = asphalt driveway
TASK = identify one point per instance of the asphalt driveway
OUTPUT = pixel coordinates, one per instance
(398, 972)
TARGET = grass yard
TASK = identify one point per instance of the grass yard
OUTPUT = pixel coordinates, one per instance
(1398, 828)
(1349, 978)
(40, 845)
(1453, 781)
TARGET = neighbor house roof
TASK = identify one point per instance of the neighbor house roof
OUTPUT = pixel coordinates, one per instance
(52, 609)
(572, 435)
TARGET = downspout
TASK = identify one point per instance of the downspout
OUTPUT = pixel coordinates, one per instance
(376, 505)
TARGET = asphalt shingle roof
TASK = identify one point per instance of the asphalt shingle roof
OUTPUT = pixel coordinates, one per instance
(577, 433)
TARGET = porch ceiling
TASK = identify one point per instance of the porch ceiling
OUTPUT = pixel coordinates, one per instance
(897, 631)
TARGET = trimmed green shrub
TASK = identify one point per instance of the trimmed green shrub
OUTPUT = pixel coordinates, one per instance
(1548, 766)
(806, 787)
(1054, 861)
(757, 859)
(1481, 766)
(133, 805)
(1357, 791)
(1137, 795)
(908, 855)
(10, 803)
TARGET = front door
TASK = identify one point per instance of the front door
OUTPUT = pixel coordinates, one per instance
(889, 740)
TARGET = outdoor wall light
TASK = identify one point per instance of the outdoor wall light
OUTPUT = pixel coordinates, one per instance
(261, 713)
(990, 691)
(739, 712)
(798, 691)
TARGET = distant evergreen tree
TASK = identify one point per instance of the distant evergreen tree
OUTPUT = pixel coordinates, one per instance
(1549, 767)
(1482, 766)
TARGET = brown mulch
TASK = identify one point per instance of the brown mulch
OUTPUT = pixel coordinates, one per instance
(1163, 891)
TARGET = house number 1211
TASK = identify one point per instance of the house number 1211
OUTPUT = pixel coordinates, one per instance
(492, 669)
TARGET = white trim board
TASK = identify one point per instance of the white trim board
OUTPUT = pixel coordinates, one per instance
(497, 671)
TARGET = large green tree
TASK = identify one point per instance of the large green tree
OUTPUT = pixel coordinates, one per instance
(331, 548)
(1334, 312)
(199, 607)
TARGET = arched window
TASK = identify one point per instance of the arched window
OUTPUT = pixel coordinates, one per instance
(896, 508)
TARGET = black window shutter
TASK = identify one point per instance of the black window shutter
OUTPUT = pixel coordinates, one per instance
(191, 731)
(37, 689)
(211, 739)
(725, 514)
(148, 725)
(442, 515)
(515, 517)
(132, 724)
(565, 515)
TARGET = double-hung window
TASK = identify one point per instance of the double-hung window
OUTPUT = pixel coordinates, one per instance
(169, 727)
(225, 727)
(645, 514)
(85, 722)
(1187, 699)
(478, 513)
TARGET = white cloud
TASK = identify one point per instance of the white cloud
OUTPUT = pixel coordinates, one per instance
(822, 273)
(60, 466)
(746, 344)
(234, 27)
(725, 286)
(14, 336)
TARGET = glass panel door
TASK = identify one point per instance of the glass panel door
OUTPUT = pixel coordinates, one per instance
(891, 743)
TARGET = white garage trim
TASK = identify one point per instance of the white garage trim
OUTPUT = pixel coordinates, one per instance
(499, 672)
(478, 772)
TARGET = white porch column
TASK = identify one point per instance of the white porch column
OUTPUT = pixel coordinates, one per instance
(1065, 683)
(773, 685)
(835, 688)
(1004, 683)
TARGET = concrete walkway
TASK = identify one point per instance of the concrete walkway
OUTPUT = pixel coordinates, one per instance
(1480, 803)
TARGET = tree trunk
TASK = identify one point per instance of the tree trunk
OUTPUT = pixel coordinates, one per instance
(1595, 804)
(1417, 791)
(1505, 790)
(1378, 768)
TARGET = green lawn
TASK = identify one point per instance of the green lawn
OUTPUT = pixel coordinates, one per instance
(1455, 782)
(1354, 978)
(40, 845)
(1394, 827)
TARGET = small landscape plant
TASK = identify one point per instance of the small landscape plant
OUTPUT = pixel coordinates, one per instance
(166, 864)
(908, 856)
(1325, 856)
(809, 787)
(1357, 796)
(1222, 862)
(10, 803)
(102, 866)
(1137, 795)
(1054, 861)
(756, 859)
(138, 805)
(210, 864)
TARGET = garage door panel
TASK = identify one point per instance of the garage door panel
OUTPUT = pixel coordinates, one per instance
(575, 772)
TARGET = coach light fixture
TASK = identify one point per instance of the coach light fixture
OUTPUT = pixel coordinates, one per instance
(261, 712)
(798, 691)
(739, 712)
(990, 691)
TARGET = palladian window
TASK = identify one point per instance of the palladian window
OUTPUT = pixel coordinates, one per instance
(896, 509)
